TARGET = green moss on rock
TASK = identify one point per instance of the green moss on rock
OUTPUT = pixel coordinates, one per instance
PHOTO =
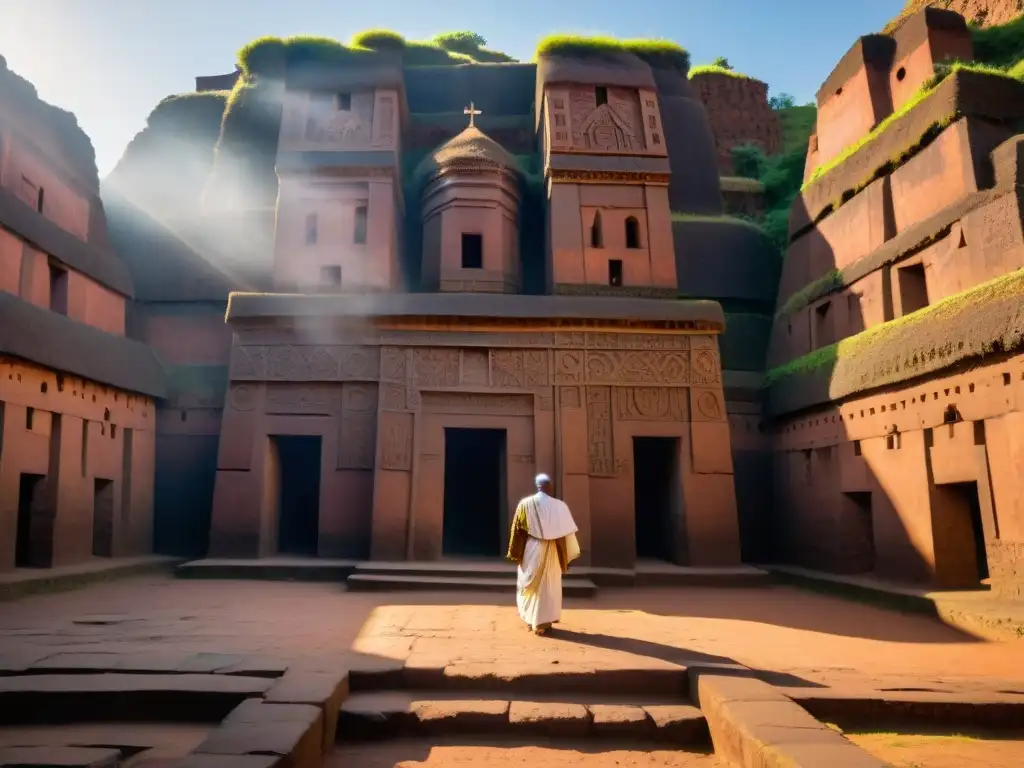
(715, 69)
(664, 53)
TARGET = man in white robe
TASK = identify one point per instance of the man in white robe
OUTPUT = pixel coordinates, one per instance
(543, 543)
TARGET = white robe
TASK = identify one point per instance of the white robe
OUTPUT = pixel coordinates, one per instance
(539, 576)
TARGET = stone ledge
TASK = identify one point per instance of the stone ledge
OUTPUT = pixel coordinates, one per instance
(326, 690)
(754, 726)
(962, 93)
(983, 320)
(298, 742)
(24, 582)
(131, 698)
(145, 663)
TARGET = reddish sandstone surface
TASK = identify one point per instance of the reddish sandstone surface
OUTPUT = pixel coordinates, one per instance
(909, 750)
(408, 754)
(984, 13)
(808, 637)
(739, 113)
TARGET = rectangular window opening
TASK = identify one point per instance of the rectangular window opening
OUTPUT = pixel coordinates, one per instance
(472, 250)
(330, 278)
(615, 272)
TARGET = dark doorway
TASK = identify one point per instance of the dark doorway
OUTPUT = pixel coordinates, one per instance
(27, 548)
(474, 492)
(961, 558)
(102, 518)
(860, 533)
(298, 504)
(656, 496)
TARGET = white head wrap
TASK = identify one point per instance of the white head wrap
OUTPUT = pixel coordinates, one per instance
(542, 479)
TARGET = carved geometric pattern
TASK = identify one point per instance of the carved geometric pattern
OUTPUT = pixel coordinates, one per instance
(545, 402)
(706, 405)
(359, 397)
(600, 446)
(650, 404)
(396, 441)
(507, 369)
(300, 400)
(357, 440)
(298, 363)
(393, 398)
(243, 397)
(569, 366)
(705, 367)
(570, 397)
(436, 367)
(637, 341)
(392, 364)
(248, 362)
(666, 367)
(535, 367)
(476, 403)
(474, 367)
(359, 362)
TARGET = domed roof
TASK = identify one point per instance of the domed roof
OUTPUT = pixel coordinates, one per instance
(471, 150)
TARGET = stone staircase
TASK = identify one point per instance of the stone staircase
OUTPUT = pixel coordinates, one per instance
(641, 711)
(450, 576)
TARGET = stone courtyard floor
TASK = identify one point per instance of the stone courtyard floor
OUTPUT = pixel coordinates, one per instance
(801, 637)
(805, 643)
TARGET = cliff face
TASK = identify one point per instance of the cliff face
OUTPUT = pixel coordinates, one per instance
(982, 13)
(739, 113)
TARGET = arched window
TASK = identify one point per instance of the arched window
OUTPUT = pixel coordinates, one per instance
(359, 235)
(632, 232)
(596, 235)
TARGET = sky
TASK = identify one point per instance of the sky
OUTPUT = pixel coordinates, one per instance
(111, 61)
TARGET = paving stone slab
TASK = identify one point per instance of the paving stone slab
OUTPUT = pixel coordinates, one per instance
(59, 757)
(323, 689)
(545, 678)
(210, 662)
(55, 699)
(299, 742)
(549, 719)
(376, 716)
(679, 724)
(256, 666)
(259, 711)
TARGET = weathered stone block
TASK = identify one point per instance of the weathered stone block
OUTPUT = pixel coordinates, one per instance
(297, 741)
(549, 719)
(59, 757)
(679, 724)
(620, 720)
(472, 716)
(326, 690)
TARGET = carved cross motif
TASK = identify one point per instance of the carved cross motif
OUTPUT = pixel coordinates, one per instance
(472, 111)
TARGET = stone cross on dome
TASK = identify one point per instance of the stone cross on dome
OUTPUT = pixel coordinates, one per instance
(472, 111)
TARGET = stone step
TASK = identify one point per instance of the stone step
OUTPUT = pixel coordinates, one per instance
(268, 569)
(496, 681)
(365, 582)
(59, 699)
(389, 715)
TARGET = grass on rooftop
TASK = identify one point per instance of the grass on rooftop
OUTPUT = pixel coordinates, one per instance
(920, 325)
(714, 69)
(942, 72)
(661, 53)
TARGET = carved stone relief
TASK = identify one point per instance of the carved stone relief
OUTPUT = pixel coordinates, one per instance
(396, 441)
(569, 397)
(291, 362)
(393, 397)
(706, 405)
(600, 446)
(296, 399)
(665, 367)
(248, 362)
(347, 125)
(392, 364)
(610, 127)
(637, 341)
(569, 366)
(357, 440)
(545, 402)
(474, 367)
(650, 404)
(477, 403)
(243, 397)
(436, 367)
(706, 369)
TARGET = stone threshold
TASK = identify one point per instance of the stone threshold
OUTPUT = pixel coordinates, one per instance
(976, 612)
(469, 574)
(22, 582)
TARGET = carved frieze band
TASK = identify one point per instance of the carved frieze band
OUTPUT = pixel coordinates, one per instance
(651, 404)
(396, 441)
(477, 403)
(292, 362)
(622, 367)
(357, 441)
(600, 445)
(302, 400)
